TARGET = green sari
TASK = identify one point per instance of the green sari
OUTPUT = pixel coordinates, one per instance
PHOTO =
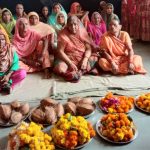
(10, 25)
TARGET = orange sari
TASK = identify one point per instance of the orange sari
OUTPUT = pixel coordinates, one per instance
(116, 48)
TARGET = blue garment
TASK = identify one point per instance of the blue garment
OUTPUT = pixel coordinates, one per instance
(52, 17)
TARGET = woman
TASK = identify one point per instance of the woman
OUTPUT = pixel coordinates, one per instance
(4, 31)
(96, 28)
(46, 31)
(10, 74)
(102, 8)
(74, 51)
(117, 52)
(33, 57)
(20, 12)
(110, 14)
(128, 12)
(56, 8)
(44, 14)
(76, 9)
(8, 22)
(142, 20)
(61, 20)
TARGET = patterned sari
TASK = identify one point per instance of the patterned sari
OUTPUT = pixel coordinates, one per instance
(75, 50)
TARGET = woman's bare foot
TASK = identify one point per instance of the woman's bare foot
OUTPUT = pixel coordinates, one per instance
(47, 74)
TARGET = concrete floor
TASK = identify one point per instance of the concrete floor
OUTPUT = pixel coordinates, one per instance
(141, 120)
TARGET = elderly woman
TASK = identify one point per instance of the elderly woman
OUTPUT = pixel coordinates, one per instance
(74, 51)
(20, 13)
(10, 74)
(8, 22)
(61, 20)
(96, 28)
(117, 52)
(45, 30)
(56, 8)
(109, 14)
(33, 57)
(76, 9)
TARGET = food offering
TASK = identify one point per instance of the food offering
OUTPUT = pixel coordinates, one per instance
(79, 106)
(72, 132)
(143, 102)
(117, 128)
(47, 113)
(29, 137)
(116, 104)
(12, 113)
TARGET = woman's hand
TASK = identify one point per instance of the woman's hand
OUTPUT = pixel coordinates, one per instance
(114, 68)
(4, 80)
(131, 68)
(84, 63)
(73, 67)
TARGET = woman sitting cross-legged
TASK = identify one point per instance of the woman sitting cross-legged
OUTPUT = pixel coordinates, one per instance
(96, 28)
(33, 57)
(117, 52)
(46, 31)
(74, 56)
(10, 74)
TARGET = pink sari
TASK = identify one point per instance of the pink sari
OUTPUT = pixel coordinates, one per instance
(25, 46)
(30, 49)
(116, 48)
(96, 31)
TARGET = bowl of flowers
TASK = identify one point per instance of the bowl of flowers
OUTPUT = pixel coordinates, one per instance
(29, 136)
(72, 132)
(116, 103)
(142, 102)
(117, 128)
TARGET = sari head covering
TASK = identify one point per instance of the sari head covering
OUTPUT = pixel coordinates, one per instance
(110, 16)
(8, 26)
(6, 56)
(82, 34)
(96, 31)
(57, 26)
(74, 11)
(51, 19)
(41, 28)
(73, 8)
(6, 35)
(25, 45)
(75, 44)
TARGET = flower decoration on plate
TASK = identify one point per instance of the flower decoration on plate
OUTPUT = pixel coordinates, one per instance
(29, 136)
(117, 128)
(143, 102)
(116, 103)
(72, 132)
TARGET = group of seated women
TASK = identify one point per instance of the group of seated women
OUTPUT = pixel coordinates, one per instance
(68, 45)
